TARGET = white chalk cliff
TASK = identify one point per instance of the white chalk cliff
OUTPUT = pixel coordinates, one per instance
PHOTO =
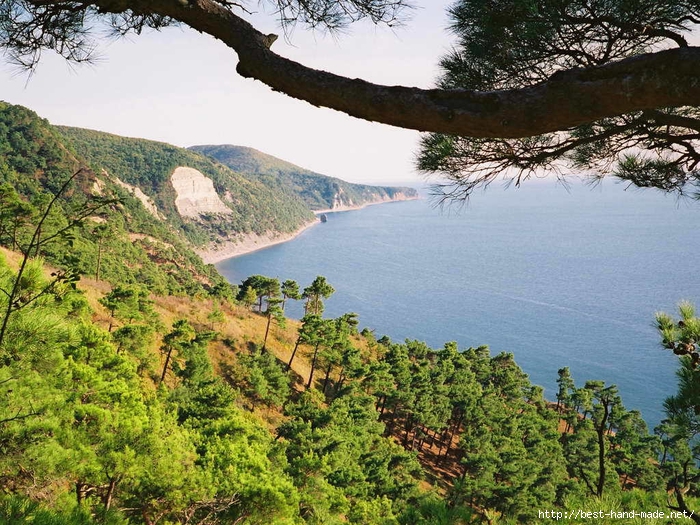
(196, 195)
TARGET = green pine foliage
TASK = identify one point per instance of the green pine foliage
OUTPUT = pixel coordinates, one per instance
(85, 436)
(263, 378)
(77, 420)
(341, 462)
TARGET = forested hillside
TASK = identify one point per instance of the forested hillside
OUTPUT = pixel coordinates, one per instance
(141, 388)
(133, 408)
(105, 231)
(319, 192)
(254, 207)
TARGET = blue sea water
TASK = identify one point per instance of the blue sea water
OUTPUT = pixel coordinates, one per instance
(557, 277)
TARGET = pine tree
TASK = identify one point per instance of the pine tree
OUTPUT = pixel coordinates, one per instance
(274, 312)
(290, 290)
(314, 294)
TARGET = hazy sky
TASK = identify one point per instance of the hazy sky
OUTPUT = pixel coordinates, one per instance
(181, 87)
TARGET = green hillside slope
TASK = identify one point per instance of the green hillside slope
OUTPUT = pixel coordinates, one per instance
(255, 207)
(35, 161)
(319, 192)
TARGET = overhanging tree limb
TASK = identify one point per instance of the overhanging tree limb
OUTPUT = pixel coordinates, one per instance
(567, 99)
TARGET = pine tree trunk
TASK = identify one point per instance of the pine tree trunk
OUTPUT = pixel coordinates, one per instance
(110, 493)
(167, 362)
(601, 451)
(313, 365)
(420, 443)
(267, 331)
(407, 428)
(296, 346)
(38, 242)
(392, 419)
(99, 260)
(79, 492)
(455, 429)
(341, 379)
(683, 507)
(325, 379)
(146, 519)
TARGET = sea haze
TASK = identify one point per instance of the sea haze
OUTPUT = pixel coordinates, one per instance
(559, 278)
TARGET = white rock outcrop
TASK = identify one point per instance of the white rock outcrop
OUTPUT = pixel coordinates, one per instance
(196, 194)
(140, 195)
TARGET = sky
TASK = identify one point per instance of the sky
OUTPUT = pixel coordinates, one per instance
(181, 87)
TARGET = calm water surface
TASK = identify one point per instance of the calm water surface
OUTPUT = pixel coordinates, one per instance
(557, 278)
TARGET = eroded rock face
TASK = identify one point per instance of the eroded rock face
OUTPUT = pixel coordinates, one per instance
(196, 194)
(140, 195)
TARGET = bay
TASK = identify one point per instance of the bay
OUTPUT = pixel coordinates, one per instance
(559, 277)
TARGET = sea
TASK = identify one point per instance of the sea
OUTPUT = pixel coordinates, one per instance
(557, 275)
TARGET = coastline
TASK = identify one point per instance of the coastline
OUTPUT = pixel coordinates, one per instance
(249, 243)
(253, 242)
(361, 206)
